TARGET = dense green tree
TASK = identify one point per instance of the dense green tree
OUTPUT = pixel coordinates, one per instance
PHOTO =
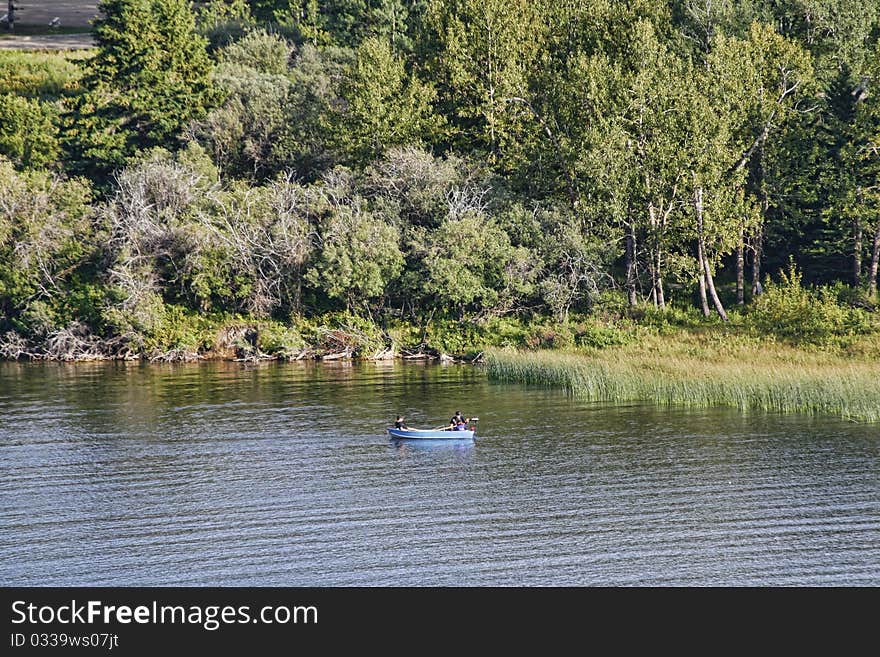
(223, 22)
(358, 253)
(485, 50)
(311, 110)
(278, 112)
(471, 266)
(439, 159)
(382, 106)
(838, 33)
(148, 79)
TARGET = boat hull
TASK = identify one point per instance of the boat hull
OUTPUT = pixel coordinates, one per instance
(427, 434)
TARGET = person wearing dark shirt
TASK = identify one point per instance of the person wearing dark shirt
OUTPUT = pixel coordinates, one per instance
(458, 422)
(400, 424)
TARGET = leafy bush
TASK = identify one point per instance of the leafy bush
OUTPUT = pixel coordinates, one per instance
(28, 134)
(181, 328)
(277, 339)
(45, 235)
(559, 336)
(471, 266)
(792, 311)
(505, 331)
(857, 297)
(383, 106)
(147, 81)
(669, 320)
(260, 51)
(610, 305)
(599, 336)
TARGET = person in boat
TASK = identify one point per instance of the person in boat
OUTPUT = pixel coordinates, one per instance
(458, 422)
(400, 424)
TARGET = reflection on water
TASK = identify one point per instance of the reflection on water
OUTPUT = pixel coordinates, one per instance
(282, 474)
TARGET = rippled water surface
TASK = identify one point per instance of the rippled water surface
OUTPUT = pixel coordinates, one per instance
(280, 474)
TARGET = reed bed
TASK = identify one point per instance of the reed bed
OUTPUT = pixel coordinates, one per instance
(783, 381)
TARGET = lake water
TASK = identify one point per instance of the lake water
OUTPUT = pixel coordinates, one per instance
(281, 474)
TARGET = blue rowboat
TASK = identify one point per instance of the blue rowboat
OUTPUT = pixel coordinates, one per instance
(430, 434)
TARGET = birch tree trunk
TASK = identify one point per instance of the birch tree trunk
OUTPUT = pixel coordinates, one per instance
(656, 261)
(757, 249)
(658, 283)
(704, 302)
(857, 253)
(740, 269)
(710, 285)
(701, 250)
(630, 260)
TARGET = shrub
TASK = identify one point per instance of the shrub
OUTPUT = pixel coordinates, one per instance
(550, 337)
(667, 321)
(598, 336)
(276, 339)
(258, 50)
(28, 134)
(792, 311)
(455, 337)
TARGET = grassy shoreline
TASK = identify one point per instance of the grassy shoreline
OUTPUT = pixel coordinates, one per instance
(688, 370)
(655, 361)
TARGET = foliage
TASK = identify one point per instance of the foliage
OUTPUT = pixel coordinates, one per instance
(574, 175)
(358, 254)
(382, 106)
(246, 133)
(28, 134)
(45, 237)
(789, 310)
(261, 51)
(470, 264)
(147, 80)
(223, 22)
(41, 75)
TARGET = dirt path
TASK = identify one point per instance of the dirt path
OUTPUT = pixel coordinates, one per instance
(47, 42)
(34, 16)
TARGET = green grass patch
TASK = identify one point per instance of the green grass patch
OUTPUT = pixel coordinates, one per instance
(709, 370)
(44, 75)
